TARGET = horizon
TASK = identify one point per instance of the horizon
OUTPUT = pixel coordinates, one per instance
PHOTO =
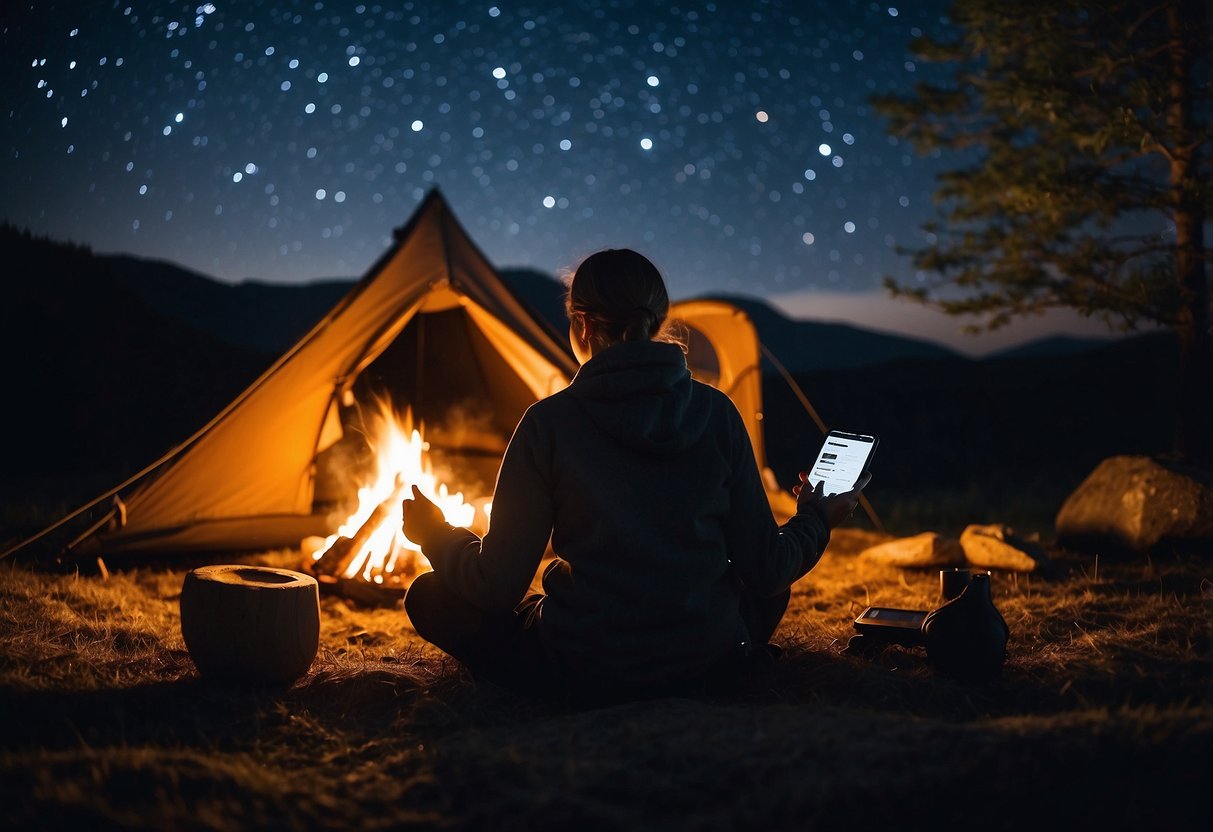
(873, 310)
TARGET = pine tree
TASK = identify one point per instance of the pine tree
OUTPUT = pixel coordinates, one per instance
(1081, 132)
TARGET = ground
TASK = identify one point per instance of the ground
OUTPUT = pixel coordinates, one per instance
(1102, 717)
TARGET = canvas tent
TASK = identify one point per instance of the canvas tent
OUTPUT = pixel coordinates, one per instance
(723, 350)
(433, 320)
(248, 478)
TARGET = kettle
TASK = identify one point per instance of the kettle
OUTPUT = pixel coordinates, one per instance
(967, 637)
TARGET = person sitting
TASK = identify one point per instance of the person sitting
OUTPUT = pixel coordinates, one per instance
(670, 572)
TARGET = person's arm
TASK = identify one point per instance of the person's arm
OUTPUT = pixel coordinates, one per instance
(769, 558)
(492, 573)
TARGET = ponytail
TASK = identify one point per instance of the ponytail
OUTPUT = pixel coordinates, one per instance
(640, 324)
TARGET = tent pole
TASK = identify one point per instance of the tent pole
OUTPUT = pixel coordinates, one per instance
(91, 529)
(38, 536)
(812, 411)
(420, 381)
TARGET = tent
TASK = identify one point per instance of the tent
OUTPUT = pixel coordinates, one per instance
(433, 322)
(248, 479)
(723, 350)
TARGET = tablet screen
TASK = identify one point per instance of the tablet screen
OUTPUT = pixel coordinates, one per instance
(841, 461)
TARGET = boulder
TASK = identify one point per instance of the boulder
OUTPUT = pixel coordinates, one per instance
(997, 547)
(929, 549)
(1134, 502)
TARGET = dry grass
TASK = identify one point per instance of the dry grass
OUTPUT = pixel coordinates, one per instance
(1103, 717)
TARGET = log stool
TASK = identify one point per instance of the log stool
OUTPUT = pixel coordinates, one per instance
(250, 623)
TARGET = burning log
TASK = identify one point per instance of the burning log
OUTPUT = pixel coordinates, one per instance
(368, 559)
(337, 559)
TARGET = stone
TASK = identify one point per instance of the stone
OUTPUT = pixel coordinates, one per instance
(996, 546)
(929, 549)
(1132, 503)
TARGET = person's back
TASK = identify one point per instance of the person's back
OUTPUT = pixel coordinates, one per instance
(669, 565)
(642, 465)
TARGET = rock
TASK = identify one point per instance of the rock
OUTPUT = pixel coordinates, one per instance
(921, 550)
(996, 547)
(1134, 502)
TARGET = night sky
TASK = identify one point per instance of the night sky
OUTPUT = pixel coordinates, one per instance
(734, 143)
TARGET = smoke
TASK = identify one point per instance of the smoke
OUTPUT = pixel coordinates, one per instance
(466, 448)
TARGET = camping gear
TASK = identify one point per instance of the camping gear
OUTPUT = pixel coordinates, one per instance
(967, 637)
(953, 581)
(890, 625)
(250, 623)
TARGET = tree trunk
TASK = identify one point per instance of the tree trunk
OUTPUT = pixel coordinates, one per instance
(1195, 405)
(1194, 424)
(1194, 414)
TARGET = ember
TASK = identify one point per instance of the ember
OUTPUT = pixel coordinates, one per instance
(369, 547)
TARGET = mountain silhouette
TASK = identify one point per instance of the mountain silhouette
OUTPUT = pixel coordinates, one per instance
(262, 317)
(99, 379)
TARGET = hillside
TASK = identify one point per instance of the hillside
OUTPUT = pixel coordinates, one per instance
(266, 318)
(814, 346)
(99, 380)
(543, 295)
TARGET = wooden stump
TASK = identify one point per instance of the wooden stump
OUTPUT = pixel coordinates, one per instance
(250, 623)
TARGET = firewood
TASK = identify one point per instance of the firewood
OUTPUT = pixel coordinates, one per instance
(330, 562)
(343, 551)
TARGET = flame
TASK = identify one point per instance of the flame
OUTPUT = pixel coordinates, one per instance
(401, 461)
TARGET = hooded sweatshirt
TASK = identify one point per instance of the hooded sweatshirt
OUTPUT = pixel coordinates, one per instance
(646, 485)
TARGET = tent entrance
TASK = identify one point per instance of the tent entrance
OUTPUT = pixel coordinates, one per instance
(464, 396)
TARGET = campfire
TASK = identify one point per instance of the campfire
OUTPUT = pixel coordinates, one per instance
(368, 557)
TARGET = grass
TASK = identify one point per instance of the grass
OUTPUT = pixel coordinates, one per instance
(1103, 717)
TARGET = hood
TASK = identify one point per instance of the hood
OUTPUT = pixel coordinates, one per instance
(640, 393)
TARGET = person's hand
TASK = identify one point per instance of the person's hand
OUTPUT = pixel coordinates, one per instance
(422, 519)
(833, 507)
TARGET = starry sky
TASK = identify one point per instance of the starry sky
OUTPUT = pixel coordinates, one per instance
(732, 142)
